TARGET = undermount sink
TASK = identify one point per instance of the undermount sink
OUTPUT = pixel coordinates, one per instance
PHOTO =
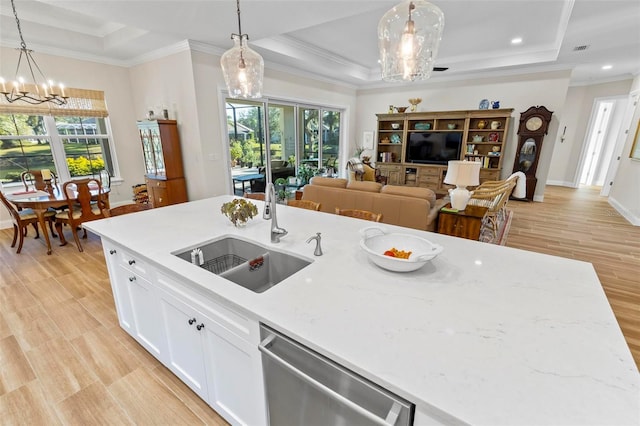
(249, 265)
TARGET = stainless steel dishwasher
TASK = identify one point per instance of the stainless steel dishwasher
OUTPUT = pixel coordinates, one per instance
(306, 388)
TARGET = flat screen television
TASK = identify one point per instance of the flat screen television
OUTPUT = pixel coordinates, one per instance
(433, 147)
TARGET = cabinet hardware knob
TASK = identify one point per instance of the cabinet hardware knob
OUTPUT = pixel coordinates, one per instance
(191, 321)
(160, 199)
(200, 326)
(132, 279)
(131, 262)
(112, 251)
(158, 184)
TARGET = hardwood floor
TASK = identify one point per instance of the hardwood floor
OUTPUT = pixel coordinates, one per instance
(65, 360)
(63, 357)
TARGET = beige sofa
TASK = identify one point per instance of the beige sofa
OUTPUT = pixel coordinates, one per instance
(411, 207)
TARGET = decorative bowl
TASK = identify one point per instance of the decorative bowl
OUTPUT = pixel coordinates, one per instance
(423, 126)
(375, 242)
(395, 126)
(401, 109)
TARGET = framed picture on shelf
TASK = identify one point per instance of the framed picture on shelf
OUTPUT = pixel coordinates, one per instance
(367, 140)
(635, 148)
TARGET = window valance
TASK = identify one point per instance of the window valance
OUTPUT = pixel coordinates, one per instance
(81, 103)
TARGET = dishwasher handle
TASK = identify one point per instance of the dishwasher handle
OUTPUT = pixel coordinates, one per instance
(391, 418)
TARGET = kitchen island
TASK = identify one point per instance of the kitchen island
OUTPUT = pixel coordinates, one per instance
(482, 334)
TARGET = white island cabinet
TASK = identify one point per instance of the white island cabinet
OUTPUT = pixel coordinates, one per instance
(482, 334)
(208, 346)
(136, 299)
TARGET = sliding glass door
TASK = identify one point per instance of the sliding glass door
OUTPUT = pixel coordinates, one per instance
(320, 142)
(273, 139)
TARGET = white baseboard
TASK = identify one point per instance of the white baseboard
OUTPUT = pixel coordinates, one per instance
(561, 183)
(634, 219)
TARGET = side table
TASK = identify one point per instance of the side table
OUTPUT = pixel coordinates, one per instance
(466, 223)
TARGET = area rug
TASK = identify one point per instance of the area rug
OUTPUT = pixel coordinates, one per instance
(486, 233)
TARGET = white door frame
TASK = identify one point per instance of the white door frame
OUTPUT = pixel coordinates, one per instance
(627, 118)
(590, 129)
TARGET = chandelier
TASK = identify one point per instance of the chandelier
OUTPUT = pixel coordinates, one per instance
(243, 67)
(30, 92)
(408, 38)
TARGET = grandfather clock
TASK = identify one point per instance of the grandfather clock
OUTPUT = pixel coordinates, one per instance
(534, 124)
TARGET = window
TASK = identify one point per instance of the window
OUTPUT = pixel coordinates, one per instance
(294, 139)
(71, 146)
(73, 140)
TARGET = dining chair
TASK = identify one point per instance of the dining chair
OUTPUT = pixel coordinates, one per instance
(32, 179)
(21, 220)
(254, 195)
(304, 204)
(360, 214)
(80, 207)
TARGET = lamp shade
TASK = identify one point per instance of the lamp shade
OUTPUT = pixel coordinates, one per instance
(463, 173)
(243, 69)
(408, 38)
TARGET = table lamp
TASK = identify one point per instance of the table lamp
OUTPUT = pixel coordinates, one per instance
(462, 174)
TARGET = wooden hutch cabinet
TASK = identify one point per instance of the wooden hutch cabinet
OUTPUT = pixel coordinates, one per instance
(413, 148)
(164, 173)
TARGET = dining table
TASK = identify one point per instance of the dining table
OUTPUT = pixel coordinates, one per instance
(40, 201)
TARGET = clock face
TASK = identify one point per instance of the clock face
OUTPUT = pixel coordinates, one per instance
(533, 124)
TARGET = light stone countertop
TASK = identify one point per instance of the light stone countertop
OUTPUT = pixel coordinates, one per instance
(483, 334)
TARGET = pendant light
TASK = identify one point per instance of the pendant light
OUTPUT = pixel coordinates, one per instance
(408, 38)
(243, 67)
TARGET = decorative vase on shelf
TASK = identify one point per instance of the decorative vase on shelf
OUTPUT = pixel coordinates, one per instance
(414, 103)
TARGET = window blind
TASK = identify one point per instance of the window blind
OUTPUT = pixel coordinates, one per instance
(81, 103)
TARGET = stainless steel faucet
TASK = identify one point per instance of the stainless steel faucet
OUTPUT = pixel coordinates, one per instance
(270, 202)
(318, 250)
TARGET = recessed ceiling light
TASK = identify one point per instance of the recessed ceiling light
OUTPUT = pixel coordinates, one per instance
(516, 40)
(607, 67)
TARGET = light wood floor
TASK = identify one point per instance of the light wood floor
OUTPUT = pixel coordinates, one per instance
(63, 357)
(65, 360)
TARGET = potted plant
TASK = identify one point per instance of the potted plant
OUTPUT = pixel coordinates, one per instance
(305, 173)
(281, 189)
(239, 211)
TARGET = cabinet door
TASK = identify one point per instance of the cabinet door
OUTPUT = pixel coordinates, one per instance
(235, 376)
(120, 290)
(145, 312)
(184, 343)
(395, 177)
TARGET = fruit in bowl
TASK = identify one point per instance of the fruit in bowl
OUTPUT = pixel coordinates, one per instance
(397, 252)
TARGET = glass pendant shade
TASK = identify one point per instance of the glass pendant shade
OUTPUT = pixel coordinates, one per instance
(243, 69)
(408, 38)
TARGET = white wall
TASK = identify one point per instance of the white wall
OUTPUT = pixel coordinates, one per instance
(517, 92)
(625, 192)
(577, 113)
(169, 81)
